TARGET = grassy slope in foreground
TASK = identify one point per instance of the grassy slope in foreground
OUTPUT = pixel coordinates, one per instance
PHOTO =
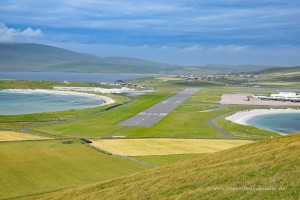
(160, 160)
(270, 164)
(28, 168)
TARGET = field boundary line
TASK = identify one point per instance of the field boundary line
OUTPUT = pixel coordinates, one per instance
(120, 156)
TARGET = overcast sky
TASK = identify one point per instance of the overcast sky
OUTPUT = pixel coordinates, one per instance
(186, 32)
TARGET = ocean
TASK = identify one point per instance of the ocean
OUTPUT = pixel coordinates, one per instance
(16, 103)
(70, 76)
(286, 123)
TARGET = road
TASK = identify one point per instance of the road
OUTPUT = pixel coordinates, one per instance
(216, 127)
(155, 113)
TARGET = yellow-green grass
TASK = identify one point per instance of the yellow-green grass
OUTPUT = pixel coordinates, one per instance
(28, 168)
(12, 135)
(161, 160)
(262, 170)
(163, 146)
(103, 123)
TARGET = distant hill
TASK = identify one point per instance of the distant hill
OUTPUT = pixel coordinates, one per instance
(37, 57)
(262, 170)
(285, 75)
(280, 70)
(217, 69)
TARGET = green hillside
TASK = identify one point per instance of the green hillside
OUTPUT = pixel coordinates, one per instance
(263, 170)
(287, 76)
(280, 70)
(37, 57)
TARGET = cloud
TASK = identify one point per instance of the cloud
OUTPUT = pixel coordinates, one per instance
(231, 48)
(16, 35)
(193, 48)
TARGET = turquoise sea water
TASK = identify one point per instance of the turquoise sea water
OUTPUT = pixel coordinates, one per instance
(15, 103)
(286, 123)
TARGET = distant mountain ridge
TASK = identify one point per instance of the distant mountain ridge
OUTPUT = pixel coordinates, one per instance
(39, 57)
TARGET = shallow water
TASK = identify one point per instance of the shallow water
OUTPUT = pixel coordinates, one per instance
(286, 123)
(15, 103)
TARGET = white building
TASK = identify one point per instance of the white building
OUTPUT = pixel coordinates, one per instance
(285, 95)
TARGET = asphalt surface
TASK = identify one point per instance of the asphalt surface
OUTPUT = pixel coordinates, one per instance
(152, 115)
(216, 127)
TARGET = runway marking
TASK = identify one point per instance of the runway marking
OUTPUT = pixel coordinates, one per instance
(158, 111)
(152, 114)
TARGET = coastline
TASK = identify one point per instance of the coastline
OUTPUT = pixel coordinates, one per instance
(242, 117)
(106, 100)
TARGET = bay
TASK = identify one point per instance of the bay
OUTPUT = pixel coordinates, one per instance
(16, 103)
(286, 123)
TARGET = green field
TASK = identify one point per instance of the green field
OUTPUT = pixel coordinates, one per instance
(262, 170)
(103, 123)
(28, 168)
(178, 125)
(190, 121)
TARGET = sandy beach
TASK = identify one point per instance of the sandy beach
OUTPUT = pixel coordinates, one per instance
(242, 117)
(106, 100)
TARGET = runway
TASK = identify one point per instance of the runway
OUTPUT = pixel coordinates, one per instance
(155, 113)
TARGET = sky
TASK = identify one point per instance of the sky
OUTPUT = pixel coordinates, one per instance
(183, 32)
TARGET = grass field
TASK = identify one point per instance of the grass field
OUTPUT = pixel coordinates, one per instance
(194, 108)
(42, 166)
(142, 147)
(262, 170)
(188, 124)
(103, 123)
(12, 135)
(189, 121)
